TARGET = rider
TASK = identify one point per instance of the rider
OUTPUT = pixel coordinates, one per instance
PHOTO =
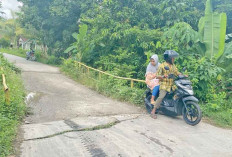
(166, 84)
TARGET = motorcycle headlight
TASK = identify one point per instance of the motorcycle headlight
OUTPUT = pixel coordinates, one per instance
(187, 88)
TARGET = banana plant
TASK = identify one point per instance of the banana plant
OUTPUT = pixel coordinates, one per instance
(81, 46)
(226, 59)
(213, 28)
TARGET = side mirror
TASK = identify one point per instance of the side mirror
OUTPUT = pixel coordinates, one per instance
(166, 68)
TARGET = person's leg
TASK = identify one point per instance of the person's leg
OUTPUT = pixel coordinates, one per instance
(162, 94)
(152, 99)
(154, 94)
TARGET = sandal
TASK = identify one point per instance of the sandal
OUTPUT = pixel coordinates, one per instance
(152, 102)
(154, 116)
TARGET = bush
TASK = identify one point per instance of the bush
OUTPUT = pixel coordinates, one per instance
(10, 114)
(54, 60)
(4, 43)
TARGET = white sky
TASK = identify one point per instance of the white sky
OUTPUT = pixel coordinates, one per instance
(8, 5)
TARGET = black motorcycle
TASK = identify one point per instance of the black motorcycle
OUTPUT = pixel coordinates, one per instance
(31, 55)
(180, 102)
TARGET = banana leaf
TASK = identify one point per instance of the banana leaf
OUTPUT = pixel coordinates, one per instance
(214, 32)
(225, 60)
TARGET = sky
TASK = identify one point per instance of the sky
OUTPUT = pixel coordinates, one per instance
(8, 5)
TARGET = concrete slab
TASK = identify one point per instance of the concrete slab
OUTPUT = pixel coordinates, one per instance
(139, 137)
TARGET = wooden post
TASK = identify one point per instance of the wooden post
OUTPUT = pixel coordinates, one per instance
(88, 71)
(7, 97)
(82, 69)
(4, 82)
(99, 75)
(132, 83)
(6, 89)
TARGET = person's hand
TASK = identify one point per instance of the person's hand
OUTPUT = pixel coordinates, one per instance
(165, 76)
(153, 76)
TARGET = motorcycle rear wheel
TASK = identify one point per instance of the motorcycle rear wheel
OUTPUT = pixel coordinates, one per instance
(194, 115)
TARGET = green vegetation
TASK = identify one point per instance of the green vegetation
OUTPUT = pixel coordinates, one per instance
(10, 114)
(118, 89)
(40, 57)
(120, 36)
(17, 52)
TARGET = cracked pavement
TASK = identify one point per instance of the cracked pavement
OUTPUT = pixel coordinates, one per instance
(70, 120)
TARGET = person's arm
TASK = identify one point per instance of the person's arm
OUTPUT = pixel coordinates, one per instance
(160, 73)
(149, 76)
(176, 72)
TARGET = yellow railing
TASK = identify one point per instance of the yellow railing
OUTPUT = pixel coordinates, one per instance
(100, 73)
(5, 88)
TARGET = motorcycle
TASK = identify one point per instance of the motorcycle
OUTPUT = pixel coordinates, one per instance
(180, 102)
(31, 55)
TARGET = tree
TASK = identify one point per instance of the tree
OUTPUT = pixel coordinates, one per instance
(11, 29)
(56, 20)
(53, 20)
(4, 43)
(0, 9)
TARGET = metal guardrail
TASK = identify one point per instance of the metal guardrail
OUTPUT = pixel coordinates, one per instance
(104, 73)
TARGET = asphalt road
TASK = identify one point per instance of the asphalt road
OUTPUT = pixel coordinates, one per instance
(70, 120)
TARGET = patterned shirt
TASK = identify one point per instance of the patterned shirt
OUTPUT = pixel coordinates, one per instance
(151, 80)
(166, 83)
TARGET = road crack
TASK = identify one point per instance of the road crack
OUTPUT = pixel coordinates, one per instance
(157, 141)
(69, 122)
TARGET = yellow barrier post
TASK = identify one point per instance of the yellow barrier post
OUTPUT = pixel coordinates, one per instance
(88, 71)
(132, 83)
(6, 89)
(99, 75)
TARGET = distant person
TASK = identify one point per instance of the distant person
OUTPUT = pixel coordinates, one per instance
(151, 80)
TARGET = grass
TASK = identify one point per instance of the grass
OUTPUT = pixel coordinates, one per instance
(10, 114)
(220, 118)
(106, 85)
(40, 57)
(16, 52)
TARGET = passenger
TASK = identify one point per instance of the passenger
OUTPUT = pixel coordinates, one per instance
(151, 80)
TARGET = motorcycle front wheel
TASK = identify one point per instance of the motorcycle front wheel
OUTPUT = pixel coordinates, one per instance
(192, 113)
